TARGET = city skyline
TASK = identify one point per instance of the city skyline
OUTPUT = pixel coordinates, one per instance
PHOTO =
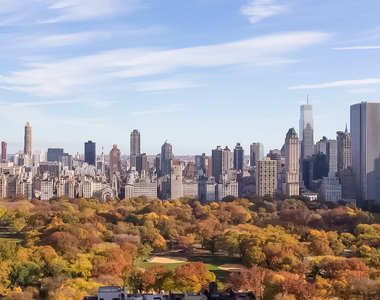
(90, 73)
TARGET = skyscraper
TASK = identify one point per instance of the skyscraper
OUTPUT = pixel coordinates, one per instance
(134, 146)
(90, 153)
(28, 150)
(292, 166)
(365, 135)
(3, 151)
(238, 157)
(217, 163)
(166, 158)
(306, 131)
(344, 150)
(115, 163)
(228, 159)
(256, 153)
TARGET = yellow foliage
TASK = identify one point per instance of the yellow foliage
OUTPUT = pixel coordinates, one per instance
(100, 227)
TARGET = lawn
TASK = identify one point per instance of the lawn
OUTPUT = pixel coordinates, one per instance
(5, 234)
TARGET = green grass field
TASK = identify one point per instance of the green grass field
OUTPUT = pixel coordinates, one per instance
(5, 234)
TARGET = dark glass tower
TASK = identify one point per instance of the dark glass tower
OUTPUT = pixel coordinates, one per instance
(238, 157)
(90, 153)
(166, 158)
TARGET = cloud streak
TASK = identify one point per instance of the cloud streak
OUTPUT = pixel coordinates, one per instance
(53, 11)
(357, 48)
(260, 9)
(337, 84)
(64, 76)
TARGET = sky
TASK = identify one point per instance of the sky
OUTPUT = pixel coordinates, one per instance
(198, 73)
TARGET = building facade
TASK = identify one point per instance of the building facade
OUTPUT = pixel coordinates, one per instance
(28, 148)
(90, 153)
(166, 158)
(266, 179)
(115, 162)
(365, 135)
(306, 131)
(3, 152)
(238, 157)
(135, 147)
(292, 167)
(344, 149)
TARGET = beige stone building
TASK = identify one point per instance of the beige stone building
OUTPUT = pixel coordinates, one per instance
(266, 179)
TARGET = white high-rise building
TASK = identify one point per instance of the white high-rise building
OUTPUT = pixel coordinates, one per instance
(292, 165)
(306, 131)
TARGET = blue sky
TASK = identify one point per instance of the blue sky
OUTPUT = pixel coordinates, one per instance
(199, 73)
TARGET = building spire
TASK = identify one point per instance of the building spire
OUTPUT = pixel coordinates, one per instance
(346, 128)
(307, 99)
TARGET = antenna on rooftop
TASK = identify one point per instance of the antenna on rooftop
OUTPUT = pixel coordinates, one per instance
(307, 98)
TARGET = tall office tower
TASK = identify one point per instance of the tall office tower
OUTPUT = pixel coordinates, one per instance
(176, 187)
(142, 163)
(135, 146)
(90, 153)
(3, 151)
(332, 155)
(202, 163)
(292, 166)
(157, 164)
(256, 153)
(166, 158)
(217, 163)
(344, 149)
(330, 149)
(115, 163)
(228, 159)
(28, 150)
(365, 135)
(266, 179)
(306, 131)
(238, 157)
(209, 167)
(54, 154)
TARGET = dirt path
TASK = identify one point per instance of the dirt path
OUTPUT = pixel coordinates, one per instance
(167, 260)
(231, 267)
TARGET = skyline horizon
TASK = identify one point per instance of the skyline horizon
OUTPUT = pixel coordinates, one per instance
(195, 73)
(149, 154)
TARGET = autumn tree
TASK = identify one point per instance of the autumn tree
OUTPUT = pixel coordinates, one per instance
(192, 277)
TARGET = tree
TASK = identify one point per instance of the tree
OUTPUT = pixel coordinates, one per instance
(301, 289)
(192, 277)
(26, 274)
(4, 278)
(249, 280)
(155, 277)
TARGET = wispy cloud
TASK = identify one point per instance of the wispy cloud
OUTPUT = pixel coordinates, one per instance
(52, 11)
(64, 76)
(337, 84)
(44, 103)
(357, 48)
(150, 86)
(260, 9)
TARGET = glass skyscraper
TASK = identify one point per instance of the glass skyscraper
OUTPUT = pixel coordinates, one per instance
(90, 153)
(365, 135)
(306, 131)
